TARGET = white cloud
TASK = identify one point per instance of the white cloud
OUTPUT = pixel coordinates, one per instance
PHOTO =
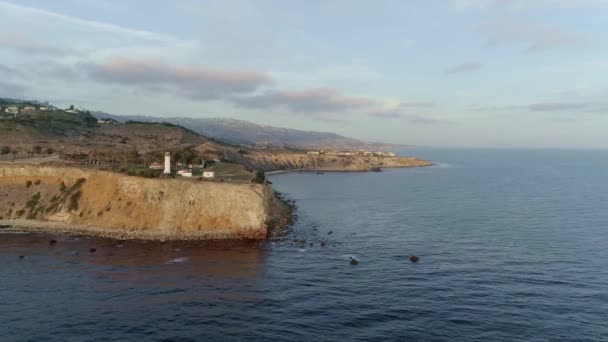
(535, 37)
(463, 68)
(44, 17)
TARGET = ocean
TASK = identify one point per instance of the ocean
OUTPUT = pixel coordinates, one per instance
(513, 246)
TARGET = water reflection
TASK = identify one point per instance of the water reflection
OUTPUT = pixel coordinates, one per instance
(181, 270)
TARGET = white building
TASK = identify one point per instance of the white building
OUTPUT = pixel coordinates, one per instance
(313, 152)
(185, 173)
(28, 109)
(208, 174)
(167, 163)
(12, 110)
(156, 166)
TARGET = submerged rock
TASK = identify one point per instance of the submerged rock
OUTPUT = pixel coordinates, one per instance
(92, 250)
(414, 258)
(52, 242)
(354, 261)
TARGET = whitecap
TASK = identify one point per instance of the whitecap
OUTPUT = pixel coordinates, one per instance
(178, 260)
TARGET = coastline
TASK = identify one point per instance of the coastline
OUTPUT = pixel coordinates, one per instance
(278, 172)
(279, 212)
(36, 226)
(110, 204)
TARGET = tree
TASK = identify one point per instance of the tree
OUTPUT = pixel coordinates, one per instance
(260, 177)
(71, 107)
(5, 150)
(37, 149)
(50, 150)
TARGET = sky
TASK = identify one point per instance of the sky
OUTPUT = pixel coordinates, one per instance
(459, 73)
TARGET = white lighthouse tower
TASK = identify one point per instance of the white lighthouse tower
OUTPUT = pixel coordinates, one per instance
(167, 163)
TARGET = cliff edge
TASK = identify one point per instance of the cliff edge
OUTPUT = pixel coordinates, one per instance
(103, 203)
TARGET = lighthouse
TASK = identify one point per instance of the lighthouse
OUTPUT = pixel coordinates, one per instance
(167, 163)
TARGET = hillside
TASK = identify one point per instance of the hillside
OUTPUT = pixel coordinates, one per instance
(243, 132)
(76, 137)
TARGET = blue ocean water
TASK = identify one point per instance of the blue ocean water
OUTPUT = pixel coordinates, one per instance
(513, 246)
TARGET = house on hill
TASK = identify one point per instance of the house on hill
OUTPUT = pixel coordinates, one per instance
(106, 121)
(156, 166)
(12, 110)
(28, 110)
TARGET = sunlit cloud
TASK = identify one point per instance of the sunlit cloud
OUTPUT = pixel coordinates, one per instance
(191, 81)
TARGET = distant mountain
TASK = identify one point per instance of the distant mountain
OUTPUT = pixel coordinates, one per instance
(247, 133)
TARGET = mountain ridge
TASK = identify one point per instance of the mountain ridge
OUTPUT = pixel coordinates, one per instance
(242, 132)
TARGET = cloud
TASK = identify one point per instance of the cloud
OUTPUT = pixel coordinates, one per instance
(189, 81)
(57, 71)
(311, 100)
(10, 89)
(463, 68)
(567, 107)
(23, 43)
(556, 106)
(7, 70)
(44, 16)
(396, 114)
(535, 37)
(417, 104)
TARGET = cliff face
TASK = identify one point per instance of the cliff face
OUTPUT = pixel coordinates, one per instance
(271, 161)
(118, 205)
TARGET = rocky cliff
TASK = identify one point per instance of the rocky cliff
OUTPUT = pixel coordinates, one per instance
(110, 204)
(273, 161)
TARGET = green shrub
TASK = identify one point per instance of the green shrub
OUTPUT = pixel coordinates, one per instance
(260, 177)
(28, 184)
(73, 206)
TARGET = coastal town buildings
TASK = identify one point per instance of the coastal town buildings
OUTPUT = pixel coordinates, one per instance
(156, 166)
(28, 110)
(208, 174)
(12, 110)
(185, 173)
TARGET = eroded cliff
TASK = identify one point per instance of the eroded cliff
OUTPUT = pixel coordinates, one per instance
(273, 161)
(110, 204)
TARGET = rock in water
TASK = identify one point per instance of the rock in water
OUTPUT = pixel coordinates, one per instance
(52, 242)
(414, 258)
(22, 257)
(92, 250)
(354, 261)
